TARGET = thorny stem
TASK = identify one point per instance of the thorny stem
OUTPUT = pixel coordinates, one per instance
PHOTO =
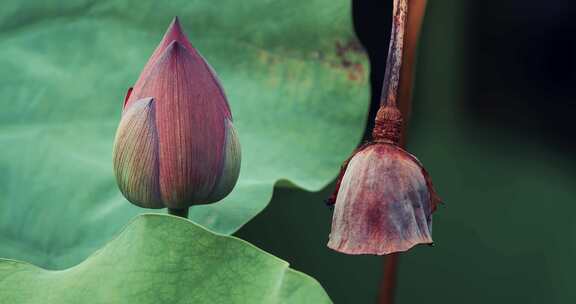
(397, 92)
(179, 212)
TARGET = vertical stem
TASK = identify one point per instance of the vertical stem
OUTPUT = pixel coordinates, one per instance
(414, 24)
(388, 284)
(179, 212)
(397, 91)
(394, 60)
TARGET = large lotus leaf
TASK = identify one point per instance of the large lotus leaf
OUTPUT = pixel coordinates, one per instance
(164, 259)
(295, 77)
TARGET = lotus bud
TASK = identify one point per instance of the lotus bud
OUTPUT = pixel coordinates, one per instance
(176, 145)
(385, 198)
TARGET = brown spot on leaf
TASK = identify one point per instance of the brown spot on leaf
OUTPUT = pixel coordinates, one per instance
(347, 54)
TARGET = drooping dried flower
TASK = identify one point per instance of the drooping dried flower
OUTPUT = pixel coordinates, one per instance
(384, 198)
(176, 145)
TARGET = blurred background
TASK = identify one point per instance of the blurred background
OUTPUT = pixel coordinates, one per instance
(492, 121)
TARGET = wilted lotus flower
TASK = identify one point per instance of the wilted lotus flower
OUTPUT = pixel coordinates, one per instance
(385, 199)
(176, 145)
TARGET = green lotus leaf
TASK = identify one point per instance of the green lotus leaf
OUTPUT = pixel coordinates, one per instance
(164, 259)
(295, 77)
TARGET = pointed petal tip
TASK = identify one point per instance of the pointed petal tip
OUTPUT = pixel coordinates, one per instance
(175, 31)
(144, 102)
(127, 97)
(148, 101)
(174, 48)
(174, 44)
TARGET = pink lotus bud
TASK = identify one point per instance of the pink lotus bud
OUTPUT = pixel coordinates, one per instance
(385, 199)
(176, 145)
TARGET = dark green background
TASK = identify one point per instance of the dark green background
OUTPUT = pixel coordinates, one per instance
(507, 233)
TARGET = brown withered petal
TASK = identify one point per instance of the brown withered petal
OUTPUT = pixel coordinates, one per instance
(384, 204)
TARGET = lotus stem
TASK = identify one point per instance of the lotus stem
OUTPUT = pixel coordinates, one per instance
(388, 285)
(397, 92)
(179, 212)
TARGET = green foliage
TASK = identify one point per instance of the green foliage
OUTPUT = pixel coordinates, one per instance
(296, 83)
(164, 259)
